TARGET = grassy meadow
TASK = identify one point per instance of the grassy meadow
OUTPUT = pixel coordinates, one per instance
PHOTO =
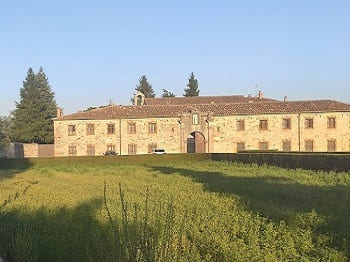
(162, 208)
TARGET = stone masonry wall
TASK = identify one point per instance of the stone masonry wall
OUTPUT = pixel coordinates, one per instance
(221, 137)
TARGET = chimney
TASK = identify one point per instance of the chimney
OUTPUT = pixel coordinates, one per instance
(285, 99)
(260, 94)
(59, 112)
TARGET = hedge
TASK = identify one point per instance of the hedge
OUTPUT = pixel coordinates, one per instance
(312, 161)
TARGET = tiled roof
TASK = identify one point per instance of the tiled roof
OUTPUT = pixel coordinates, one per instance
(205, 100)
(157, 111)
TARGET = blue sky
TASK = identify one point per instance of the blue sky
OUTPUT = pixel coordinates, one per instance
(95, 51)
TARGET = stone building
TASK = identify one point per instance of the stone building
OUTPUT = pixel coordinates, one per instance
(205, 124)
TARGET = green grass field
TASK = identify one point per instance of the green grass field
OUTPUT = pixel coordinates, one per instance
(219, 211)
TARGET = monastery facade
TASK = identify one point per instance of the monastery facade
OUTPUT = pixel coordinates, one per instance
(205, 124)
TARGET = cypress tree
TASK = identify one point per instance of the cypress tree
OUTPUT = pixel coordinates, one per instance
(4, 124)
(32, 118)
(145, 87)
(167, 93)
(192, 86)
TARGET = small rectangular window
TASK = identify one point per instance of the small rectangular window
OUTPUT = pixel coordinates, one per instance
(71, 130)
(131, 128)
(152, 128)
(72, 150)
(90, 129)
(90, 150)
(331, 122)
(132, 149)
(110, 129)
(331, 145)
(309, 145)
(240, 125)
(195, 119)
(111, 148)
(309, 123)
(263, 125)
(286, 123)
(152, 147)
(240, 146)
(286, 146)
(263, 146)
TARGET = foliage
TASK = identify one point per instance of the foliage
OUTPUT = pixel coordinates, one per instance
(313, 161)
(192, 86)
(167, 93)
(229, 211)
(145, 87)
(5, 123)
(32, 118)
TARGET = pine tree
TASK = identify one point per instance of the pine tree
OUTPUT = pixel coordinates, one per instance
(32, 118)
(145, 87)
(167, 93)
(192, 86)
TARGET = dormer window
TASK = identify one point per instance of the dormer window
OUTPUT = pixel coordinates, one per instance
(195, 119)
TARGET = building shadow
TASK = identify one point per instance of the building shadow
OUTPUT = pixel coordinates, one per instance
(281, 199)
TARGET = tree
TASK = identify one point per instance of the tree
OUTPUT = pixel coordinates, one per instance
(32, 118)
(4, 125)
(167, 93)
(145, 87)
(192, 86)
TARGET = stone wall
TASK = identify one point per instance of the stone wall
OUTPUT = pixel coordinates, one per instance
(220, 133)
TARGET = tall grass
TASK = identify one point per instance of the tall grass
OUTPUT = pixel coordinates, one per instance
(148, 233)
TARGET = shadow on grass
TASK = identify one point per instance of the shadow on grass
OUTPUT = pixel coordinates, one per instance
(10, 167)
(282, 199)
(64, 234)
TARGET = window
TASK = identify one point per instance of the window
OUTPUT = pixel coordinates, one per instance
(110, 129)
(331, 122)
(286, 123)
(72, 150)
(71, 130)
(286, 145)
(195, 119)
(90, 150)
(90, 129)
(152, 147)
(132, 149)
(111, 147)
(263, 146)
(309, 123)
(152, 128)
(331, 145)
(309, 145)
(263, 125)
(240, 146)
(131, 128)
(240, 125)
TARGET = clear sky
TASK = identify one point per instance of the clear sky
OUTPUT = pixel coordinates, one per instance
(94, 51)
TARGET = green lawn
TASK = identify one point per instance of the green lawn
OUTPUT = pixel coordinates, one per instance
(55, 211)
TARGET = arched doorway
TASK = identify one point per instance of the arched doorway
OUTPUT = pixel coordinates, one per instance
(196, 143)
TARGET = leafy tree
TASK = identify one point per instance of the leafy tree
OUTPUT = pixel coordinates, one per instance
(32, 118)
(167, 93)
(145, 87)
(192, 86)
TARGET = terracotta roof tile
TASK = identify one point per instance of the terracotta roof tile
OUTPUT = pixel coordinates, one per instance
(205, 100)
(158, 111)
